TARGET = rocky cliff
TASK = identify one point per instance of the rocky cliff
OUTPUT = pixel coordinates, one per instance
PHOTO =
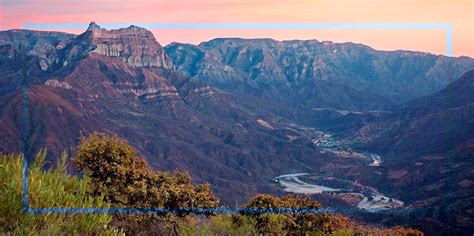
(134, 45)
(299, 68)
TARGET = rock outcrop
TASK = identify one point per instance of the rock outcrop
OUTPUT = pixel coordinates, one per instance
(136, 46)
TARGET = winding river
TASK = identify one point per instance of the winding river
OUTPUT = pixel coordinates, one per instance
(372, 201)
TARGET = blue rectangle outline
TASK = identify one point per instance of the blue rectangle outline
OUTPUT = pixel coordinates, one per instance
(250, 26)
(447, 27)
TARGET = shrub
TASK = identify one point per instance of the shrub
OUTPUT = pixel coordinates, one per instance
(218, 225)
(298, 223)
(367, 230)
(125, 179)
(302, 223)
(115, 171)
(52, 188)
(266, 222)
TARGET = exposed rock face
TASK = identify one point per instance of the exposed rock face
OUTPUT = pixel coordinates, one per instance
(134, 45)
(37, 43)
(58, 84)
(14, 43)
(24, 56)
(298, 67)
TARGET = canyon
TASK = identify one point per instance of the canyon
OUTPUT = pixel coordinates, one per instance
(383, 127)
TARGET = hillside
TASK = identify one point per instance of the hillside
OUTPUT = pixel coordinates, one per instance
(241, 113)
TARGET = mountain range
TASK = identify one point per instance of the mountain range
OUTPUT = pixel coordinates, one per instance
(238, 112)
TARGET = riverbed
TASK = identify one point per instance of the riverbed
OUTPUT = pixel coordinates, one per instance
(370, 201)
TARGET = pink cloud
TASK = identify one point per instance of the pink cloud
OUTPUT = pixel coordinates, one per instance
(13, 14)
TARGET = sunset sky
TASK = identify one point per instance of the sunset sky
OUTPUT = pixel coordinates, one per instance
(458, 13)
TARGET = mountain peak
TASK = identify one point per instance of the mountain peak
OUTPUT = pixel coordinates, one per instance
(135, 27)
(95, 31)
(93, 26)
(134, 45)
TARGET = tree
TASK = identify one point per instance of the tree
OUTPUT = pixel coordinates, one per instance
(267, 222)
(179, 195)
(125, 179)
(300, 222)
(272, 220)
(115, 170)
(309, 222)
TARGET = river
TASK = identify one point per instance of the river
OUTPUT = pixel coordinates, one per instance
(372, 201)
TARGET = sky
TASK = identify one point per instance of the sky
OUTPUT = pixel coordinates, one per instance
(458, 13)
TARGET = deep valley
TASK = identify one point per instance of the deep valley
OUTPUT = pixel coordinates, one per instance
(357, 128)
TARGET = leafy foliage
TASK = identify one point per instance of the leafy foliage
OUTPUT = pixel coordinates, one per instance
(218, 225)
(266, 222)
(125, 179)
(290, 223)
(366, 230)
(225, 225)
(302, 223)
(116, 172)
(47, 189)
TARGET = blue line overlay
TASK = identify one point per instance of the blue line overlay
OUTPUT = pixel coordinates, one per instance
(447, 27)
(199, 211)
(24, 184)
(361, 26)
(449, 40)
(25, 134)
(259, 26)
(218, 211)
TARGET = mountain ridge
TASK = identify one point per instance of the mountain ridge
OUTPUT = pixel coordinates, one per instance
(237, 114)
(268, 64)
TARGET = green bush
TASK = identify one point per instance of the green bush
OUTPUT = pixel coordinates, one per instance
(218, 225)
(293, 224)
(52, 188)
(126, 180)
(302, 223)
(373, 231)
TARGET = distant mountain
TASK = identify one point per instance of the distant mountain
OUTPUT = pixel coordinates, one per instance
(29, 41)
(344, 76)
(236, 113)
(21, 47)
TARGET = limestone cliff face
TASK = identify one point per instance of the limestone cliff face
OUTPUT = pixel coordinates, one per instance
(134, 45)
(141, 84)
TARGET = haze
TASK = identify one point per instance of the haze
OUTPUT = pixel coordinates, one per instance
(459, 13)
